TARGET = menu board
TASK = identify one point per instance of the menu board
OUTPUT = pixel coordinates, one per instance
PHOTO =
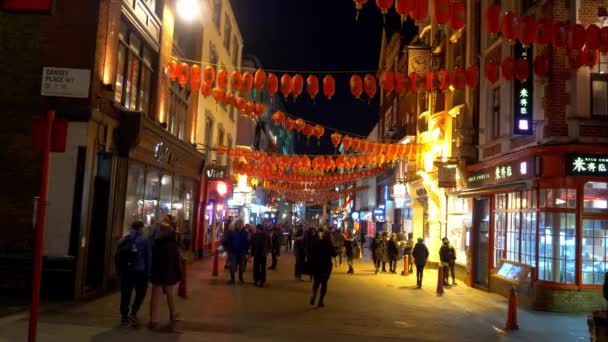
(513, 271)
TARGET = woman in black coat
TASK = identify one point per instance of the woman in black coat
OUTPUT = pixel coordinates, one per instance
(322, 252)
(393, 253)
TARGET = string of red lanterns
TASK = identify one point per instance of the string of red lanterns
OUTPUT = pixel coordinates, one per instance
(449, 13)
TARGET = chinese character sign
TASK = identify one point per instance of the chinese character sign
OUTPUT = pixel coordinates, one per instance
(523, 99)
(587, 164)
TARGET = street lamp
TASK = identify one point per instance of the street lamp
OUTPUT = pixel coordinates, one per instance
(188, 9)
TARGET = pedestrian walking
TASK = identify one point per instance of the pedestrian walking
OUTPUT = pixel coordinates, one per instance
(260, 247)
(349, 248)
(165, 271)
(447, 256)
(338, 240)
(376, 250)
(275, 247)
(393, 253)
(321, 262)
(133, 260)
(299, 249)
(409, 247)
(238, 245)
(420, 254)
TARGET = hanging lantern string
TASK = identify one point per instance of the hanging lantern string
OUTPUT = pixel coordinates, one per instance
(177, 58)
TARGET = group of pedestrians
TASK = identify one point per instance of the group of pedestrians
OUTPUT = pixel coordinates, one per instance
(385, 250)
(155, 260)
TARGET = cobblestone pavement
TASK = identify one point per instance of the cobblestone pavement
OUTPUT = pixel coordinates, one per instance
(359, 307)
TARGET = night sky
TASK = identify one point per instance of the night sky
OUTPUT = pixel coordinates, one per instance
(318, 35)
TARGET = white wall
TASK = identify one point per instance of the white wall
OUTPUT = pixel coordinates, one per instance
(61, 192)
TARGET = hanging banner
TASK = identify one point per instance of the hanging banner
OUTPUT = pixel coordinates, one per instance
(523, 94)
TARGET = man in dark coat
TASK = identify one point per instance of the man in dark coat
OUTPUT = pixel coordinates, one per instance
(393, 253)
(378, 248)
(237, 246)
(322, 252)
(447, 256)
(409, 247)
(260, 246)
(420, 254)
(350, 243)
(275, 249)
(384, 250)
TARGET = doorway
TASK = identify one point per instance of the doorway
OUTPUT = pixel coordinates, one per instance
(481, 229)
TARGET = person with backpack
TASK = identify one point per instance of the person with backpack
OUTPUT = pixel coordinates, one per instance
(420, 254)
(133, 261)
(447, 255)
(392, 248)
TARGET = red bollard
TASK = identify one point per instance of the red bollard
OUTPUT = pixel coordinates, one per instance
(182, 290)
(512, 311)
(216, 266)
(440, 281)
(406, 260)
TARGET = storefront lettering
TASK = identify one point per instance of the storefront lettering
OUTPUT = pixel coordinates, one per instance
(215, 173)
(163, 155)
(502, 173)
(587, 165)
(524, 99)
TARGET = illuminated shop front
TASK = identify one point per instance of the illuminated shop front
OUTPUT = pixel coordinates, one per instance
(218, 189)
(544, 210)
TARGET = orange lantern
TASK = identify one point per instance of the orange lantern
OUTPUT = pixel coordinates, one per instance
(259, 110)
(172, 69)
(356, 144)
(236, 81)
(458, 78)
(222, 79)
(272, 84)
(206, 90)
(472, 76)
(247, 82)
(403, 8)
(319, 131)
(356, 86)
(329, 86)
(387, 80)
(299, 125)
(240, 103)
(508, 68)
(298, 85)
(421, 10)
(458, 16)
(544, 31)
(278, 117)
(183, 74)
(209, 75)
(347, 142)
(195, 78)
(444, 79)
(286, 85)
(218, 94)
(259, 79)
(289, 123)
(442, 11)
(492, 71)
(370, 86)
(510, 26)
(312, 86)
(249, 108)
(336, 138)
(308, 130)
(229, 98)
(361, 161)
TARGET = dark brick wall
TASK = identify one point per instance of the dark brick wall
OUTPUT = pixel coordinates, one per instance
(491, 150)
(566, 300)
(594, 131)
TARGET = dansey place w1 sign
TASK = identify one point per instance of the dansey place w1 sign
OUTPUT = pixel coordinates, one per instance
(581, 164)
(65, 82)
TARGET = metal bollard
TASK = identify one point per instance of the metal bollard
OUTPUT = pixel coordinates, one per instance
(440, 281)
(512, 311)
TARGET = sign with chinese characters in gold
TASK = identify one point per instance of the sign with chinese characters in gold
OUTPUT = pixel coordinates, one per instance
(523, 90)
(578, 164)
(502, 173)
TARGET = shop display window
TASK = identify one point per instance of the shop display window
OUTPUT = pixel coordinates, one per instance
(134, 202)
(459, 225)
(595, 238)
(151, 198)
(500, 227)
(515, 227)
(166, 196)
(558, 198)
(557, 247)
(596, 197)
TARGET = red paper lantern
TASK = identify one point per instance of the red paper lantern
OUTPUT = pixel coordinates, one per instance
(458, 15)
(312, 86)
(541, 65)
(510, 26)
(249, 108)
(259, 79)
(575, 59)
(384, 5)
(247, 82)
(172, 68)
(492, 71)
(218, 94)
(544, 31)
(458, 78)
(319, 131)
(236, 81)
(387, 80)
(209, 75)
(472, 76)
(404, 7)
(329, 86)
(356, 85)
(442, 11)
(222, 79)
(577, 37)
(429, 80)
(400, 83)
(592, 37)
(522, 69)
(493, 19)
(289, 123)
(508, 68)
(260, 109)
(413, 82)
(272, 84)
(347, 142)
(206, 90)
(369, 83)
(195, 78)
(590, 57)
(421, 10)
(229, 98)
(240, 103)
(286, 85)
(444, 79)
(183, 74)
(278, 117)
(603, 46)
(336, 138)
(560, 35)
(308, 130)
(527, 30)
(298, 85)
(299, 125)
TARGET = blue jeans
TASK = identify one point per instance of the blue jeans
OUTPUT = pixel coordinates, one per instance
(237, 261)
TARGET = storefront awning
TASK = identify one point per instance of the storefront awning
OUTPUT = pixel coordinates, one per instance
(490, 190)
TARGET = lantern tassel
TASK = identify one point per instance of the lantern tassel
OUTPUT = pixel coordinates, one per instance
(357, 16)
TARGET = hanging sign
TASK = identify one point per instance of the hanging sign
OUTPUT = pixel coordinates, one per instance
(447, 177)
(523, 94)
(579, 164)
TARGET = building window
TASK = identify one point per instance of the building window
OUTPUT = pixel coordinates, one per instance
(235, 51)
(178, 110)
(515, 227)
(220, 142)
(227, 33)
(557, 246)
(133, 71)
(596, 197)
(213, 58)
(208, 133)
(217, 14)
(595, 241)
(500, 228)
(495, 118)
(528, 227)
(599, 87)
(558, 198)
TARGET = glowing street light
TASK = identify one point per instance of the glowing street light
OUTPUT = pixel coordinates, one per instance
(188, 9)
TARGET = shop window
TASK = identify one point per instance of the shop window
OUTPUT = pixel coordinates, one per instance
(165, 201)
(178, 110)
(595, 256)
(558, 198)
(152, 193)
(134, 67)
(596, 197)
(500, 227)
(134, 202)
(557, 246)
(213, 58)
(599, 87)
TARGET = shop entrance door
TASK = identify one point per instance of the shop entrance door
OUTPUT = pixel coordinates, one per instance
(481, 228)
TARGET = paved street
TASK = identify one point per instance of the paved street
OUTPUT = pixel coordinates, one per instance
(360, 307)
